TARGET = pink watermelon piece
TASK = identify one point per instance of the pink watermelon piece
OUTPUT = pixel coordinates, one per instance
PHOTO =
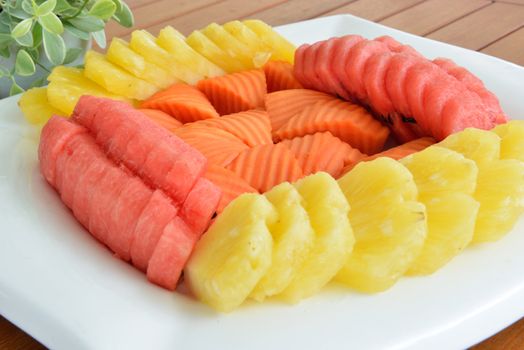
(323, 67)
(310, 61)
(462, 111)
(397, 47)
(298, 67)
(340, 54)
(375, 83)
(171, 254)
(158, 212)
(395, 77)
(200, 205)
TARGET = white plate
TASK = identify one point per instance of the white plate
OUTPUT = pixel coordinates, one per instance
(67, 291)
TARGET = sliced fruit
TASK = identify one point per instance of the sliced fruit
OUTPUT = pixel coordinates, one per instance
(235, 92)
(67, 84)
(347, 121)
(175, 43)
(36, 108)
(120, 53)
(236, 50)
(207, 48)
(322, 152)
(478, 145)
(327, 209)
(234, 254)
(512, 139)
(388, 221)
(145, 44)
(161, 118)
(115, 80)
(260, 52)
(279, 76)
(282, 49)
(266, 166)
(446, 183)
(184, 102)
(293, 238)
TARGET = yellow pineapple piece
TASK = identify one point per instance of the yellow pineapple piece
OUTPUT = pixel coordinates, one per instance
(282, 49)
(207, 48)
(234, 254)
(121, 55)
(143, 43)
(175, 43)
(328, 213)
(293, 238)
(114, 79)
(35, 106)
(260, 51)
(512, 139)
(446, 183)
(234, 48)
(389, 224)
(67, 84)
(500, 189)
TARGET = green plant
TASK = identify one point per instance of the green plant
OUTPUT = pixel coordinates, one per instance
(28, 26)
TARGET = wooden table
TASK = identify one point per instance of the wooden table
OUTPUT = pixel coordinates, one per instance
(492, 27)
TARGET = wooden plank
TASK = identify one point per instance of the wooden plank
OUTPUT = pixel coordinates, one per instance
(158, 12)
(483, 27)
(12, 337)
(508, 48)
(374, 10)
(297, 10)
(511, 338)
(137, 3)
(432, 15)
(220, 13)
(518, 2)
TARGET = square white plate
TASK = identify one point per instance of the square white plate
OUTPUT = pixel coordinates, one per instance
(62, 287)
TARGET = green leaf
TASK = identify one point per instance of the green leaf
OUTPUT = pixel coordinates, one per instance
(100, 38)
(18, 12)
(26, 40)
(22, 28)
(103, 9)
(46, 7)
(39, 82)
(54, 47)
(15, 89)
(24, 65)
(124, 16)
(51, 23)
(5, 39)
(27, 6)
(4, 72)
(87, 23)
(80, 34)
(61, 6)
(5, 18)
(118, 4)
(72, 54)
(37, 35)
(5, 52)
(34, 53)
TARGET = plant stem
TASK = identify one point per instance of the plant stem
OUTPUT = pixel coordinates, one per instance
(42, 66)
(79, 11)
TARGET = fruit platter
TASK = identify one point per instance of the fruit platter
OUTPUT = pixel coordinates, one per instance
(326, 184)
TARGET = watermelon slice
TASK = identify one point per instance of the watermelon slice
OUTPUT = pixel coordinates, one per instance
(200, 206)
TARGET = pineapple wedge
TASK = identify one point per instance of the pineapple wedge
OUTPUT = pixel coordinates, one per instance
(67, 84)
(175, 43)
(500, 189)
(121, 55)
(234, 254)
(227, 42)
(260, 51)
(328, 213)
(36, 107)
(388, 221)
(446, 183)
(98, 69)
(143, 43)
(207, 48)
(512, 139)
(281, 48)
(293, 238)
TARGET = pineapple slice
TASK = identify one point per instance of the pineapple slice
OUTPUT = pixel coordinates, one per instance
(234, 254)
(207, 48)
(234, 48)
(293, 238)
(36, 107)
(512, 143)
(67, 84)
(260, 51)
(113, 79)
(175, 43)
(446, 182)
(121, 55)
(282, 49)
(143, 43)
(388, 221)
(328, 213)
(500, 189)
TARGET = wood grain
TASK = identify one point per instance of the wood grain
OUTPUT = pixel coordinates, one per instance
(508, 47)
(432, 14)
(374, 10)
(482, 27)
(511, 338)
